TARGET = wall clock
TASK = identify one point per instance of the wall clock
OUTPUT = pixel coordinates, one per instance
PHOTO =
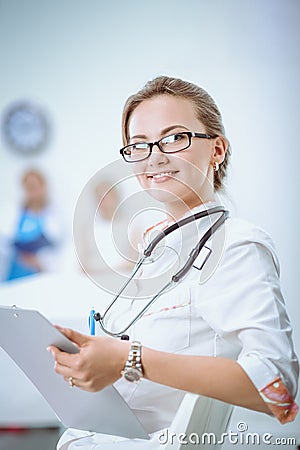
(25, 128)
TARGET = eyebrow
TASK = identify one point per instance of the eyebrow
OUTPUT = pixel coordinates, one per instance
(164, 131)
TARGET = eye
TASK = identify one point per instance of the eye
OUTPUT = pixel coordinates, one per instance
(173, 138)
(140, 146)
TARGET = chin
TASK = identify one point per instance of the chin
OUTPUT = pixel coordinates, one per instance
(161, 195)
(173, 201)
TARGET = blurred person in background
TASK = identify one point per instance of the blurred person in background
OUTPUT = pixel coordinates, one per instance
(97, 249)
(30, 233)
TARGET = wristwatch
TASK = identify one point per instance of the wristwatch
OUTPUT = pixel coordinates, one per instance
(133, 370)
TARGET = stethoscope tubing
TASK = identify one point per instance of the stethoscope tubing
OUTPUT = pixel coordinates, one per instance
(176, 277)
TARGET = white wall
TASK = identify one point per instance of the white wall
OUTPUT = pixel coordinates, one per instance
(82, 59)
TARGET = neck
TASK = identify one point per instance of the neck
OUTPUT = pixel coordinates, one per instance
(175, 212)
(35, 205)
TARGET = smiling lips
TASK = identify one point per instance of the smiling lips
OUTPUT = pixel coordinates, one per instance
(160, 177)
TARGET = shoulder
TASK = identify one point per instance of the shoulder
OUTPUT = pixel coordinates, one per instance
(240, 230)
(240, 234)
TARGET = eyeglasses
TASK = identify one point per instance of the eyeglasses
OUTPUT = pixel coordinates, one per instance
(169, 144)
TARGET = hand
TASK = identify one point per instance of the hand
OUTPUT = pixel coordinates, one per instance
(98, 363)
(31, 260)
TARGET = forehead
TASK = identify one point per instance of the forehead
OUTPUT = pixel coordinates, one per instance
(154, 115)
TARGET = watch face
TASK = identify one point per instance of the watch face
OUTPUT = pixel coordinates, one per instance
(25, 127)
(133, 375)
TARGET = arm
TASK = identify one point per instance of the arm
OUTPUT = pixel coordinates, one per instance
(201, 375)
(191, 373)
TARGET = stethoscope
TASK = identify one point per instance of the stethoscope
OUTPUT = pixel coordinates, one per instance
(178, 276)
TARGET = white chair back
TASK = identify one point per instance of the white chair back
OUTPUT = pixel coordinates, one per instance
(199, 422)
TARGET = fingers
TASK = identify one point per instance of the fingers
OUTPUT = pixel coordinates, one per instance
(65, 363)
(85, 368)
(75, 382)
(62, 358)
(78, 338)
(69, 366)
(68, 360)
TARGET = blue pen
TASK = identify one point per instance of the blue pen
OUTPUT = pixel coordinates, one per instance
(92, 322)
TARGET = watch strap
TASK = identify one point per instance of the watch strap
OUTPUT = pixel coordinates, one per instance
(134, 360)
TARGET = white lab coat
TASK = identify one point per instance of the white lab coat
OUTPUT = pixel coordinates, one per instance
(231, 308)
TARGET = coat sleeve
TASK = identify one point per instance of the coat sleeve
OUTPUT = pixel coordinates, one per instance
(243, 300)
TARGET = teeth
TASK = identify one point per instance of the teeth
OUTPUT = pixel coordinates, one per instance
(163, 174)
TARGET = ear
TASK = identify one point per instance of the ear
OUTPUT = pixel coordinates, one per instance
(220, 146)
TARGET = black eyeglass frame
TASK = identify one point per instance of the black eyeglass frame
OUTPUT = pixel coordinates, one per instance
(190, 135)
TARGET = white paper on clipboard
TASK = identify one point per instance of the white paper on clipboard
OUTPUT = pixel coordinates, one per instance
(25, 335)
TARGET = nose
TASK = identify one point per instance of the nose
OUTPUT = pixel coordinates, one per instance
(157, 157)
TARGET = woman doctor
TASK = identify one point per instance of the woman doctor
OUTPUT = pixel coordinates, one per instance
(223, 332)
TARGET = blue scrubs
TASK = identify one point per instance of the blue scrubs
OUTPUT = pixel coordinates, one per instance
(29, 238)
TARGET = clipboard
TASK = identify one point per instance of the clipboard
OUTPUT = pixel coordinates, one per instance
(25, 335)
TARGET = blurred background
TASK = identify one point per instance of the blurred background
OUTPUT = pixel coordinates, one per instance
(73, 63)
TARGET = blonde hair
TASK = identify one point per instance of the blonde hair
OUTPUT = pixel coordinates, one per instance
(206, 111)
